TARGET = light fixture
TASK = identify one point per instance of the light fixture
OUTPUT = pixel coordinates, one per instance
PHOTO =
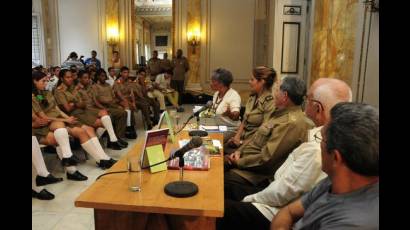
(112, 36)
(194, 37)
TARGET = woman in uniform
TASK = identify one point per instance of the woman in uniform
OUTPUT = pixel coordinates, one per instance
(51, 129)
(126, 99)
(104, 98)
(100, 116)
(259, 107)
(45, 106)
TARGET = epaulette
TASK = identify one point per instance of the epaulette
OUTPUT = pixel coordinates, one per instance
(268, 98)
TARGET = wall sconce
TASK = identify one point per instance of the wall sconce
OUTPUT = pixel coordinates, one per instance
(112, 36)
(194, 37)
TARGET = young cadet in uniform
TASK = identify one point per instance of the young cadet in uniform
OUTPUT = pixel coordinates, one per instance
(144, 104)
(255, 162)
(104, 98)
(149, 91)
(258, 109)
(73, 105)
(126, 99)
(71, 101)
(55, 132)
(85, 93)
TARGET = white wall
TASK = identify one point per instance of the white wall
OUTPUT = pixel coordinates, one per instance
(79, 28)
(232, 46)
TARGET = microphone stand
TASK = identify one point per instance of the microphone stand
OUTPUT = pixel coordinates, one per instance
(181, 188)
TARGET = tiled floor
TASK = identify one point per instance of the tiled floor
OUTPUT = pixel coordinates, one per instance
(60, 212)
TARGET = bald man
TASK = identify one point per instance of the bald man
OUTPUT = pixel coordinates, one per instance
(299, 173)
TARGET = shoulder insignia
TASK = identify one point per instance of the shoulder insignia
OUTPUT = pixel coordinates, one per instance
(269, 98)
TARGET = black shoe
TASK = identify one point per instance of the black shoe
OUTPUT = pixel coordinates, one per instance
(77, 176)
(130, 133)
(50, 179)
(113, 145)
(122, 143)
(180, 110)
(112, 161)
(42, 195)
(106, 164)
(71, 161)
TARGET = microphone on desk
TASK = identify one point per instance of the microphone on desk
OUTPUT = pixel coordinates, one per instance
(194, 143)
(205, 107)
(183, 188)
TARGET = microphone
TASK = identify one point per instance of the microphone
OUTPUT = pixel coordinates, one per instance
(205, 107)
(194, 143)
(183, 188)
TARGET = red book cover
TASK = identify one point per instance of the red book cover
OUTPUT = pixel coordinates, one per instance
(195, 159)
(154, 137)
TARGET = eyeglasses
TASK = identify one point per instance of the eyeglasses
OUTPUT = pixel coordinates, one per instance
(318, 139)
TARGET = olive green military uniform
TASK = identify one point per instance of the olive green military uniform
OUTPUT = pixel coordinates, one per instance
(87, 94)
(50, 109)
(166, 64)
(104, 94)
(154, 67)
(65, 95)
(39, 132)
(257, 111)
(126, 92)
(143, 103)
(181, 66)
(271, 144)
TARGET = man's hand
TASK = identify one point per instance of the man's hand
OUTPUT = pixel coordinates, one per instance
(227, 112)
(71, 120)
(40, 122)
(234, 157)
(235, 141)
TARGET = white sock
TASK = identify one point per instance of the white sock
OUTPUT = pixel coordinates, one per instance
(70, 169)
(99, 131)
(100, 150)
(89, 147)
(61, 136)
(33, 180)
(37, 158)
(106, 121)
(128, 117)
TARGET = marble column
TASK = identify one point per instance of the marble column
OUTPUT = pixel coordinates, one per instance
(126, 44)
(111, 19)
(334, 35)
(193, 21)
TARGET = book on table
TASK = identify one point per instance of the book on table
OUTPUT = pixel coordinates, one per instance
(195, 159)
(154, 147)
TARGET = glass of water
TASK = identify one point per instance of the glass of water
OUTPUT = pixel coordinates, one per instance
(134, 173)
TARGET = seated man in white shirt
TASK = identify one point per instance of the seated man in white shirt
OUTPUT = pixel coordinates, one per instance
(298, 174)
(163, 84)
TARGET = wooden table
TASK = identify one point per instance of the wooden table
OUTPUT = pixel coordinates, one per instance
(115, 207)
